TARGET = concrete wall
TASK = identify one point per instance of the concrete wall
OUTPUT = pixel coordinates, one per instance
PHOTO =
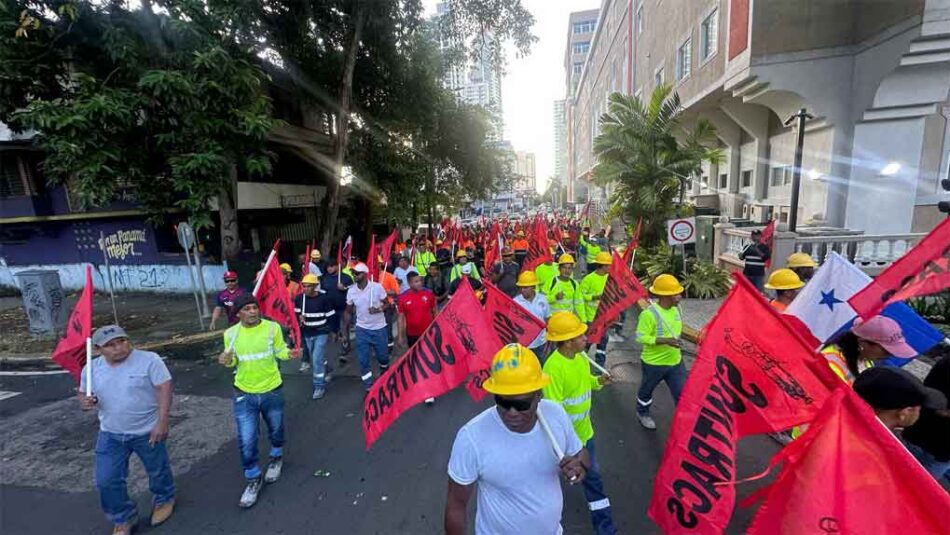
(140, 278)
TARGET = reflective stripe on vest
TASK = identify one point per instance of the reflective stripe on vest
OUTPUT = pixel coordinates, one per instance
(256, 356)
(577, 400)
(659, 321)
(839, 365)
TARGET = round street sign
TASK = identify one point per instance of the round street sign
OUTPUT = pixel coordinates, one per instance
(186, 236)
(681, 231)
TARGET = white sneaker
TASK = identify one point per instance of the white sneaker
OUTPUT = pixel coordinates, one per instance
(646, 421)
(616, 338)
(304, 367)
(430, 401)
(251, 491)
(273, 469)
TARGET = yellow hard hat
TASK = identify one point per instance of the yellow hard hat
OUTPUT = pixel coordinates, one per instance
(800, 260)
(515, 369)
(286, 268)
(604, 258)
(521, 234)
(461, 253)
(309, 278)
(565, 259)
(564, 325)
(527, 279)
(315, 254)
(666, 284)
(784, 279)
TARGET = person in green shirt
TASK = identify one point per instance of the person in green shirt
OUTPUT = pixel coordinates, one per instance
(463, 267)
(658, 331)
(546, 273)
(591, 288)
(253, 346)
(562, 291)
(572, 385)
(424, 257)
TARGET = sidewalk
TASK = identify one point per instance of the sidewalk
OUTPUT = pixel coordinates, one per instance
(148, 318)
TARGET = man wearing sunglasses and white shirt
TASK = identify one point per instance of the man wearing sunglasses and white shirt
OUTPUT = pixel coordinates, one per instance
(509, 454)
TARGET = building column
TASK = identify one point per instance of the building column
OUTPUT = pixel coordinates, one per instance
(731, 135)
(754, 120)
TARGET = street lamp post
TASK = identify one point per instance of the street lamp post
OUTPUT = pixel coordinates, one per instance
(800, 118)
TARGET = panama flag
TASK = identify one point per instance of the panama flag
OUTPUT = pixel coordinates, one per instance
(823, 306)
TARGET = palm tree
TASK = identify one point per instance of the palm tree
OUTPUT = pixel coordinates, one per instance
(645, 153)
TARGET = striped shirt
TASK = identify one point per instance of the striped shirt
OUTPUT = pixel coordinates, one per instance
(755, 256)
(315, 319)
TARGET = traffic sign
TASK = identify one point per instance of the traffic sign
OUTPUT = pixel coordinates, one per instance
(681, 231)
(186, 236)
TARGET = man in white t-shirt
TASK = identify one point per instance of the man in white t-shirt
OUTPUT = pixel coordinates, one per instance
(367, 301)
(508, 451)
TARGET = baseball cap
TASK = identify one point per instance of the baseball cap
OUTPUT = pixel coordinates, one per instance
(243, 300)
(230, 275)
(106, 334)
(886, 387)
(886, 332)
(361, 268)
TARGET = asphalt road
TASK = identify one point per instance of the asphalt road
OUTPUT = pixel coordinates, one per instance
(397, 487)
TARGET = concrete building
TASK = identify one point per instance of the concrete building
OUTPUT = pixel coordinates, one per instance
(524, 169)
(875, 75)
(581, 28)
(560, 143)
(477, 82)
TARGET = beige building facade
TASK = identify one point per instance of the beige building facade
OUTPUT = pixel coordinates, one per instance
(874, 75)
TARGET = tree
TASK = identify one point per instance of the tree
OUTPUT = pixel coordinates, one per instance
(645, 153)
(130, 99)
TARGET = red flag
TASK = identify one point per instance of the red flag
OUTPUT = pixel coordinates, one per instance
(752, 375)
(844, 475)
(305, 267)
(347, 250)
(371, 262)
(634, 243)
(511, 323)
(275, 301)
(622, 290)
(924, 270)
(386, 248)
(456, 343)
(339, 255)
(538, 250)
(70, 352)
(767, 233)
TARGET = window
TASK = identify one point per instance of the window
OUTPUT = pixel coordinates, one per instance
(709, 35)
(578, 67)
(586, 26)
(781, 176)
(746, 179)
(704, 181)
(658, 77)
(639, 19)
(12, 183)
(683, 56)
(723, 181)
(581, 47)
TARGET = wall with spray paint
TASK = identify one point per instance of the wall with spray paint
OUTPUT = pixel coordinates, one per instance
(157, 278)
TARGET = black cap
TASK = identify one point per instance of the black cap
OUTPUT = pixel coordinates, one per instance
(243, 300)
(886, 387)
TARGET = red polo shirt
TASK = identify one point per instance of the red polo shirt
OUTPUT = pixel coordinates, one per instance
(419, 309)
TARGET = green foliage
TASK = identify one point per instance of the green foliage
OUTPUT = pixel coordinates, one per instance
(644, 152)
(702, 280)
(151, 104)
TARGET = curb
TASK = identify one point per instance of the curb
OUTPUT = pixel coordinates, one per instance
(44, 361)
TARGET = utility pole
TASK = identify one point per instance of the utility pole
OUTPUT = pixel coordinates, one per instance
(800, 118)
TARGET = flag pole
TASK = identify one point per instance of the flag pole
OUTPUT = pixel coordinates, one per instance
(598, 366)
(270, 258)
(88, 366)
(558, 452)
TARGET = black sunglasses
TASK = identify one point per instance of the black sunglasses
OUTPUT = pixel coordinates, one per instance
(230, 280)
(520, 405)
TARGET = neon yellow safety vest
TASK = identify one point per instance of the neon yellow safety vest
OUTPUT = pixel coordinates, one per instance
(571, 301)
(658, 322)
(592, 287)
(571, 386)
(256, 350)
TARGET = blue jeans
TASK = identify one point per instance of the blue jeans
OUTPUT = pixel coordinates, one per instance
(112, 468)
(930, 463)
(601, 515)
(366, 339)
(675, 377)
(248, 408)
(758, 281)
(316, 345)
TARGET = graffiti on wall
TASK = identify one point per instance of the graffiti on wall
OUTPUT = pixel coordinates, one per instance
(122, 244)
(141, 277)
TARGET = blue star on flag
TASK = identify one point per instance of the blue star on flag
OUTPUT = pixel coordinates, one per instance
(828, 298)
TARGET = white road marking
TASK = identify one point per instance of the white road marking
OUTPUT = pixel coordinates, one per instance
(18, 374)
(7, 395)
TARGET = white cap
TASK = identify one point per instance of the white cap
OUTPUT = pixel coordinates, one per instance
(361, 268)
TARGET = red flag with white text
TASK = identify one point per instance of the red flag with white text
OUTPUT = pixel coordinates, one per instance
(843, 476)
(458, 342)
(622, 290)
(924, 270)
(70, 352)
(275, 301)
(511, 322)
(752, 375)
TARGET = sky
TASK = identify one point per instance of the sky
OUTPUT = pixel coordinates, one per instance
(531, 84)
